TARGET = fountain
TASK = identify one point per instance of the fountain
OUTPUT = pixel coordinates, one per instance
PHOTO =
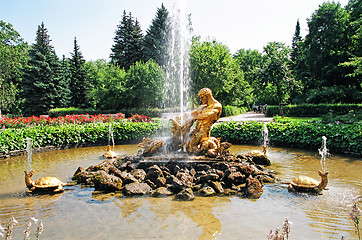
(29, 151)
(265, 139)
(307, 184)
(190, 162)
(110, 153)
(176, 88)
(323, 151)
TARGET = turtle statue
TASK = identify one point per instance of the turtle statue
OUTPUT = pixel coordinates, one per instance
(110, 153)
(44, 185)
(307, 184)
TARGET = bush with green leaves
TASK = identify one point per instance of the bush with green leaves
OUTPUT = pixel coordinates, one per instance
(341, 138)
(313, 110)
(76, 135)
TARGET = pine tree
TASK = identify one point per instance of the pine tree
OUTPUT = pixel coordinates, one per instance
(296, 42)
(40, 84)
(128, 42)
(78, 81)
(65, 78)
(156, 37)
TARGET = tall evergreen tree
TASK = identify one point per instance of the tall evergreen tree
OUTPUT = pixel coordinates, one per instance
(296, 43)
(78, 81)
(127, 48)
(40, 84)
(155, 41)
(65, 79)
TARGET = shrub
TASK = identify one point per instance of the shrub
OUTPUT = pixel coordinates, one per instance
(232, 111)
(312, 110)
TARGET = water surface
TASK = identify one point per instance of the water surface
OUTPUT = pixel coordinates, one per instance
(81, 213)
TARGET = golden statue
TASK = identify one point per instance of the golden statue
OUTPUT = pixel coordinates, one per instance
(205, 116)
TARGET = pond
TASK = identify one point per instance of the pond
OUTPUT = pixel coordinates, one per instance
(81, 213)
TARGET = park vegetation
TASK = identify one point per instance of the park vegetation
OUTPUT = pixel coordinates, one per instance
(322, 67)
(320, 71)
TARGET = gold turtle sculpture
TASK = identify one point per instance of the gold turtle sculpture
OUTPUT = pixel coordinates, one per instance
(45, 184)
(307, 184)
(110, 153)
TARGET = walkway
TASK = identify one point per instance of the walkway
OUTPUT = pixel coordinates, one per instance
(248, 116)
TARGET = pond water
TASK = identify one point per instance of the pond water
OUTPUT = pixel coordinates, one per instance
(80, 213)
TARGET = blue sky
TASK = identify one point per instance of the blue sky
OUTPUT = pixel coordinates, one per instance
(235, 23)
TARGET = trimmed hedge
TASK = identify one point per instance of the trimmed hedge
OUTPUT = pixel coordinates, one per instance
(313, 110)
(70, 135)
(341, 138)
(232, 111)
(150, 112)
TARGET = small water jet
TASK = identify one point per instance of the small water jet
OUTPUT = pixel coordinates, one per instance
(307, 184)
(110, 153)
(265, 133)
(323, 151)
(29, 147)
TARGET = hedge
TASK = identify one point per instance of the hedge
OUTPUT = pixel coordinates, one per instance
(313, 110)
(150, 112)
(72, 135)
(341, 138)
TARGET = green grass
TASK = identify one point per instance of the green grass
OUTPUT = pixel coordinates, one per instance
(280, 119)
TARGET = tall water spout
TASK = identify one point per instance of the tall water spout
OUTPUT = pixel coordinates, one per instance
(110, 135)
(323, 151)
(29, 147)
(265, 134)
(176, 89)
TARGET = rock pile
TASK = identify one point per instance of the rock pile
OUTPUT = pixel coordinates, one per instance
(183, 178)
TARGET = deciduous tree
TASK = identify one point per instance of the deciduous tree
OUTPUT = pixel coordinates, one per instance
(13, 58)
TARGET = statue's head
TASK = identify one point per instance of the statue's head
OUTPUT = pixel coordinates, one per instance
(205, 94)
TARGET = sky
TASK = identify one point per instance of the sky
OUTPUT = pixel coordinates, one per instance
(238, 24)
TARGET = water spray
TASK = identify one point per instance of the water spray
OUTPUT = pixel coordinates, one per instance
(323, 151)
(29, 147)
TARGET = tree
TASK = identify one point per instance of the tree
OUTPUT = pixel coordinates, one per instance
(250, 61)
(41, 80)
(155, 41)
(13, 58)
(128, 43)
(212, 66)
(275, 74)
(78, 82)
(295, 54)
(64, 83)
(326, 46)
(108, 80)
(144, 83)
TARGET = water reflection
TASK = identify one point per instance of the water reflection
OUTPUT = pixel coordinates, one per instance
(82, 213)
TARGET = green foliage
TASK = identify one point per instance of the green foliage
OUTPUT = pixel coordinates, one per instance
(57, 112)
(275, 72)
(212, 66)
(232, 111)
(144, 85)
(108, 85)
(41, 80)
(155, 41)
(13, 58)
(127, 48)
(78, 81)
(334, 95)
(313, 110)
(341, 138)
(75, 135)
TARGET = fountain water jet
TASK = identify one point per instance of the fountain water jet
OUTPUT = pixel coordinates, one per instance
(29, 151)
(176, 89)
(265, 133)
(323, 151)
